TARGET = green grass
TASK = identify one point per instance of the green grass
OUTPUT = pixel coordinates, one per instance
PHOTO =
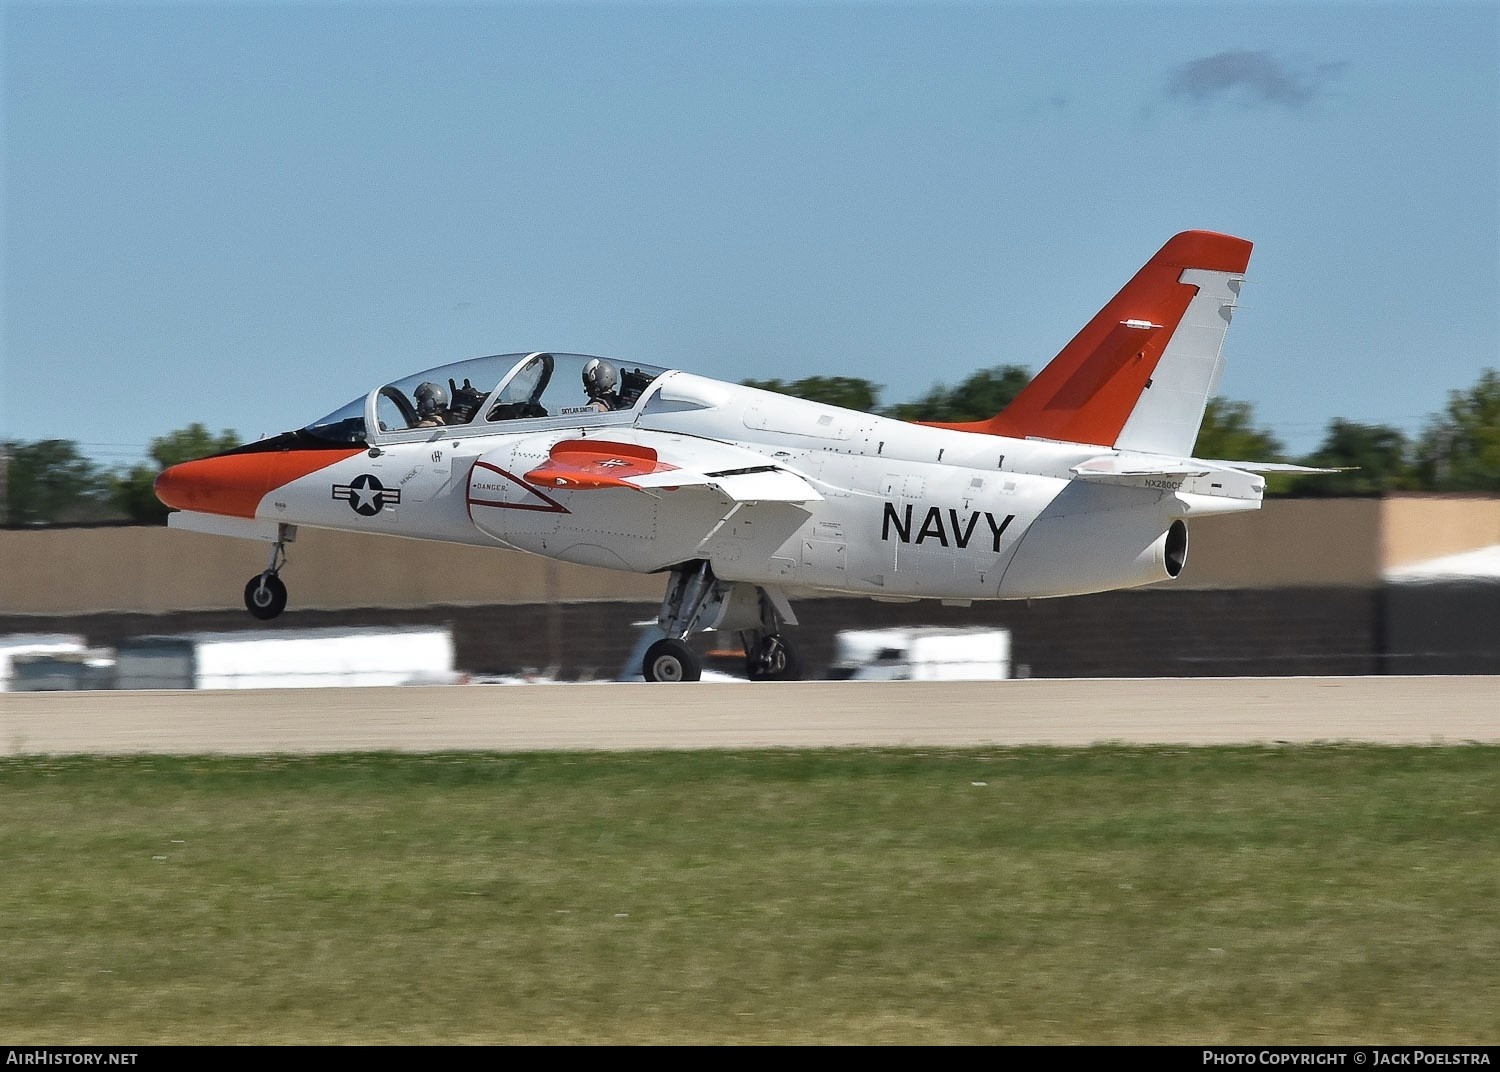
(1314, 895)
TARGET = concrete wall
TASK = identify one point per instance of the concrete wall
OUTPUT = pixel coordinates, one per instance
(1289, 543)
(1442, 628)
(1420, 527)
(152, 570)
(1140, 633)
(1293, 589)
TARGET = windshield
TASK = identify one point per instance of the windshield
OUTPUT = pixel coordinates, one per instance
(459, 389)
(488, 389)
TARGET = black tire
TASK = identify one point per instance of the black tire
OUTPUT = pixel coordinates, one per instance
(777, 661)
(671, 660)
(265, 596)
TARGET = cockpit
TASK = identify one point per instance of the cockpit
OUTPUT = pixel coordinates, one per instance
(484, 391)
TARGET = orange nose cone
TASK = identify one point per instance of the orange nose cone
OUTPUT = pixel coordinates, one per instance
(232, 485)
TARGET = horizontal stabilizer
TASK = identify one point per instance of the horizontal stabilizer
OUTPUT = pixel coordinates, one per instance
(1116, 465)
(1276, 467)
(1195, 477)
(1128, 465)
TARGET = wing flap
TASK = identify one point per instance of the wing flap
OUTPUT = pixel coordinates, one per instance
(764, 485)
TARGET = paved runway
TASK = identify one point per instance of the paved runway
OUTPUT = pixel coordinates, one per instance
(1392, 710)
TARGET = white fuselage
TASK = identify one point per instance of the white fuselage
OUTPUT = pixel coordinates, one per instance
(899, 511)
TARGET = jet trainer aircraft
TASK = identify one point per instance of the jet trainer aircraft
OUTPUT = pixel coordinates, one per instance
(744, 498)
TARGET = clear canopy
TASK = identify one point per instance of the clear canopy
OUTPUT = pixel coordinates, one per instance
(485, 390)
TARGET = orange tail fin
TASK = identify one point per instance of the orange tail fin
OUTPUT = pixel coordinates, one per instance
(1139, 374)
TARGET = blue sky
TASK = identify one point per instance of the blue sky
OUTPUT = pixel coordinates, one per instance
(247, 215)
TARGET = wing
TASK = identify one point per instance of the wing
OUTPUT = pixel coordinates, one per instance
(657, 461)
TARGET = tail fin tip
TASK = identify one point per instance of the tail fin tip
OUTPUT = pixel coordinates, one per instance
(1208, 250)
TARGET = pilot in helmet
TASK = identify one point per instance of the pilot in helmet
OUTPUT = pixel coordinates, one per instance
(599, 381)
(432, 403)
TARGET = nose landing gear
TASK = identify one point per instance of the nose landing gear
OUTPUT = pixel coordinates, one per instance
(265, 594)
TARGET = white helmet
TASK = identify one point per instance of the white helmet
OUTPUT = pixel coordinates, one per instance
(599, 377)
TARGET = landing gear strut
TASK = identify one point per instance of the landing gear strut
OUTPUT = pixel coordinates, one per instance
(695, 601)
(265, 594)
(688, 592)
(768, 656)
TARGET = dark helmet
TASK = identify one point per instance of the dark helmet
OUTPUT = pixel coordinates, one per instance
(599, 377)
(430, 399)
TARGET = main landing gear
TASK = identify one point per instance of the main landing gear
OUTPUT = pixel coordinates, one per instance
(696, 601)
(671, 660)
(768, 657)
(265, 594)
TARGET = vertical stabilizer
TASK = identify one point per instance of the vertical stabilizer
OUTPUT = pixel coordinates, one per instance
(1139, 374)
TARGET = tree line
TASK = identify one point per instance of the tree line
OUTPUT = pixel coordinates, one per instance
(1458, 449)
(51, 481)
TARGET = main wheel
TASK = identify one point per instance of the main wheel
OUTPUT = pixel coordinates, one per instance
(671, 660)
(265, 596)
(774, 660)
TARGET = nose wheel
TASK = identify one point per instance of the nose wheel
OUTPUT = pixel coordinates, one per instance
(265, 595)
